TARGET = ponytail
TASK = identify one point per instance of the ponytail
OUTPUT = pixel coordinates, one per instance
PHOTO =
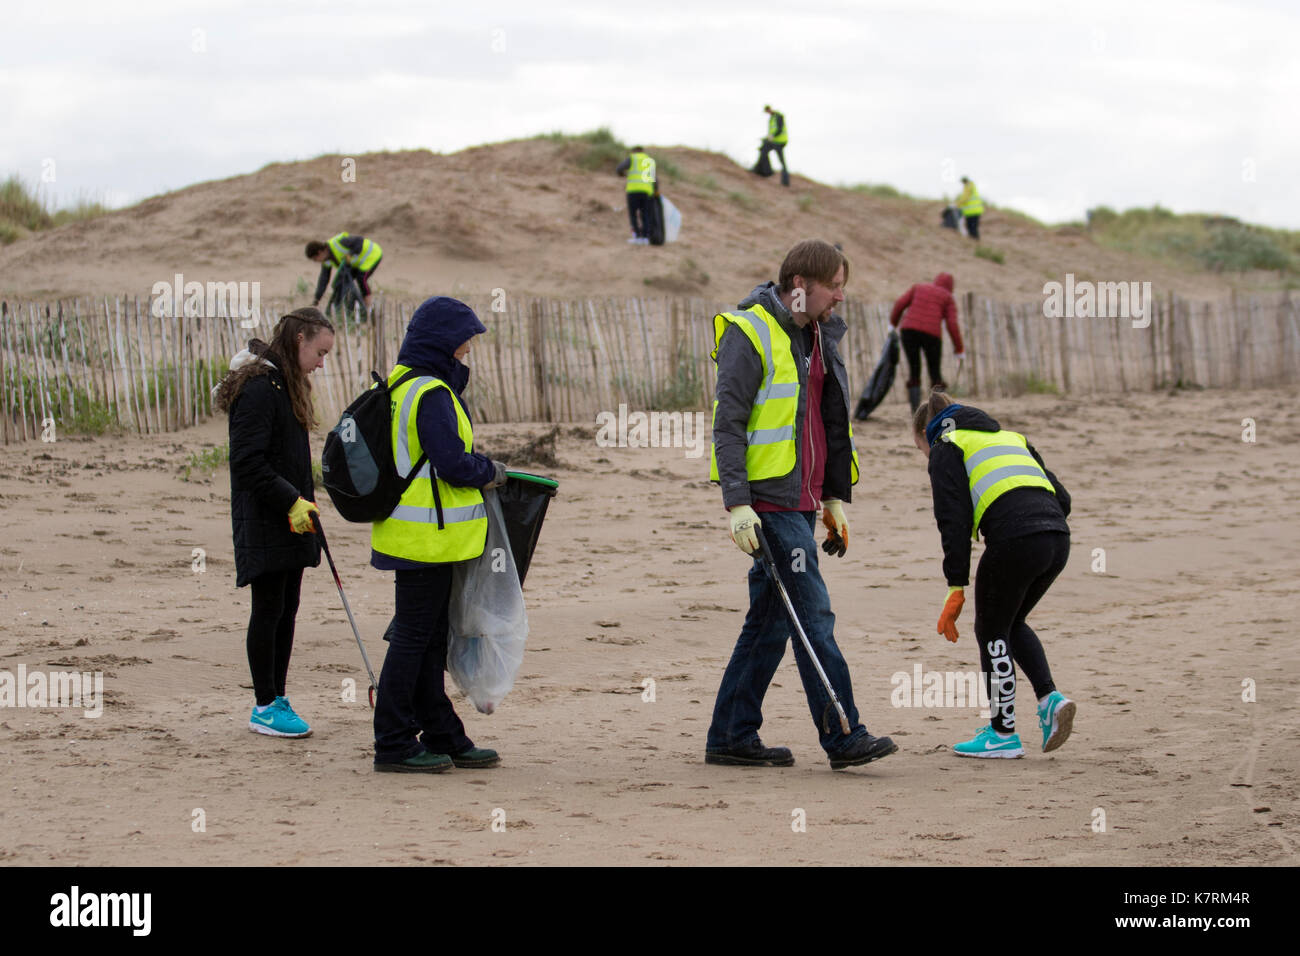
(937, 401)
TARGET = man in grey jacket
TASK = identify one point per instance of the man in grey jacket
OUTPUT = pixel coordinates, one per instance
(782, 448)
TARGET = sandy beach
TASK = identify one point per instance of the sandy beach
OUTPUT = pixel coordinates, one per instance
(634, 580)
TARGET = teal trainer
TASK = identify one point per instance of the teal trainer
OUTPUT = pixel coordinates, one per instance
(987, 743)
(1056, 719)
(278, 720)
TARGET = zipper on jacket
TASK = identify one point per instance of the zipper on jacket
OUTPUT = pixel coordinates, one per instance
(437, 498)
(812, 449)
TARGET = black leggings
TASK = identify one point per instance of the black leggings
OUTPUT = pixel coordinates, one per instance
(1012, 576)
(270, 631)
(914, 342)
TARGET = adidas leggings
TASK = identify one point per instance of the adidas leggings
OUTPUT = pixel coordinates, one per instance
(270, 631)
(1012, 576)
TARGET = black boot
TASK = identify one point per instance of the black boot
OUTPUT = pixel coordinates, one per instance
(914, 396)
(752, 755)
(864, 750)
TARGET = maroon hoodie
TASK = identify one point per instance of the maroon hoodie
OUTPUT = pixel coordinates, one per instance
(929, 306)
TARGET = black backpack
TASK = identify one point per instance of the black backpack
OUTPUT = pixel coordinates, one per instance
(357, 461)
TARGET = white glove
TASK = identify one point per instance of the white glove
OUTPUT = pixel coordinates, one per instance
(743, 522)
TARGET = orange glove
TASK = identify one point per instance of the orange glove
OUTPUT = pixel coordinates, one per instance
(837, 540)
(951, 611)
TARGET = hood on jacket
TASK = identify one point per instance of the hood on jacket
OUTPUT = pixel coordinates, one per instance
(244, 357)
(768, 295)
(439, 326)
(944, 281)
(249, 362)
(963, 416)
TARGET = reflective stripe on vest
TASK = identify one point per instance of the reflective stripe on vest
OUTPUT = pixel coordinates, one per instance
(368, 257)
(641, 174)
(995, 463)
(769, 434)
(973, 205)
(780, 138)
(412, 531)
(363, 261)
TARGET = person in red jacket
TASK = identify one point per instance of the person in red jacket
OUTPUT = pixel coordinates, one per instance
(925, 309)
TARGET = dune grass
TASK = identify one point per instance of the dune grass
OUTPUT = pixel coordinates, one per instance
(23, 210)
(1196, 240)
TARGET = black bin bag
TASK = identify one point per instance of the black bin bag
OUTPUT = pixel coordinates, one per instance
(524, 500)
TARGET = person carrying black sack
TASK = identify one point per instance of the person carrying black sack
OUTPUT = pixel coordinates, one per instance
(642, 186)
(441, 519)
(777, 137)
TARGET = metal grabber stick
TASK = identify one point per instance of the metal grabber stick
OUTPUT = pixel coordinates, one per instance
(315, 519)
(769, 562)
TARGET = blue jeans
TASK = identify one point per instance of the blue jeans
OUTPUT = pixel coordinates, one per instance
(412, 699)
(737, 715)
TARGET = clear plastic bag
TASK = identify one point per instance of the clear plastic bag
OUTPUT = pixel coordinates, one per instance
(672, 221)
(486, 621)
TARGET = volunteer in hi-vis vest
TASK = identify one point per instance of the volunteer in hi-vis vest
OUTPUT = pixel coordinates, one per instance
(775, 141)
(989, 481)
(358, 253)
(971, 206)
(440, 519)
(641, 185)
(782, 449)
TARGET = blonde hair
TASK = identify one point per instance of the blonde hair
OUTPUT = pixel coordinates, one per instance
(937, 401)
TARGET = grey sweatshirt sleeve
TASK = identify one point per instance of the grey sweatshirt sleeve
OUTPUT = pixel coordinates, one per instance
(323, 280)
(740, 373)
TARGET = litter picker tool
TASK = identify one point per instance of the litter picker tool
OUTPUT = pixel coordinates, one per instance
(769, 562)
(315, 519)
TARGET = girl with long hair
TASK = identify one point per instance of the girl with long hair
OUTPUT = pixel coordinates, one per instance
(267, 396)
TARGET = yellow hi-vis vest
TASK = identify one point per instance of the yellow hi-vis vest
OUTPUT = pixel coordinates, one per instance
(363, 261)
(970, 202)
(641, 174)
(414, 530)
(995, 463)
(770, 435)
(779, 138)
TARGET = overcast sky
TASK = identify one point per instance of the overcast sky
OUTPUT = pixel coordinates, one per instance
(1050, 108)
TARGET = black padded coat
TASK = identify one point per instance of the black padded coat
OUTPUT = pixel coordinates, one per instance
(270, 468)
